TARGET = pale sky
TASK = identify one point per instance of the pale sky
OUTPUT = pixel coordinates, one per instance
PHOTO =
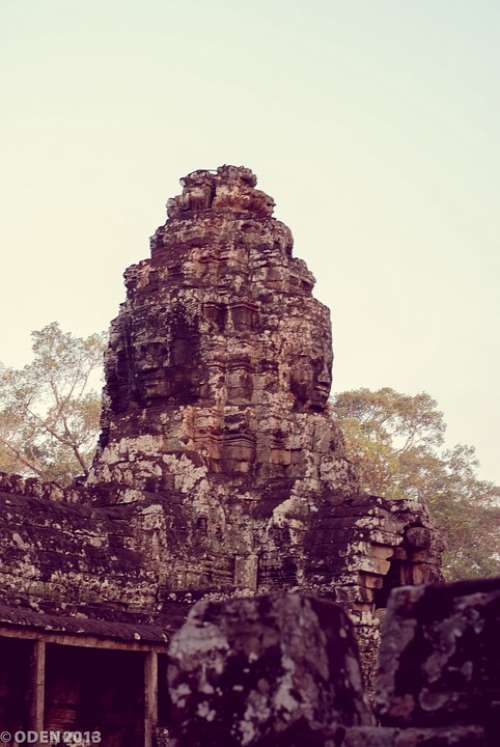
(374, 124)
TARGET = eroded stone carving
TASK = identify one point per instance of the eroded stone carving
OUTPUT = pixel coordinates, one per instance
(220, 354)
(219, 470)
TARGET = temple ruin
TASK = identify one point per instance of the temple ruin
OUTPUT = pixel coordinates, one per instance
(220, 473)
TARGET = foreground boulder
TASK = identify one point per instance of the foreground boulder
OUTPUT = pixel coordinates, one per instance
(275, 670)
(440, 658)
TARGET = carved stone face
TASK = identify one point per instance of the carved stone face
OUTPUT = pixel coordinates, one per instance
(177, 358)
(239, 383)
(155, 363)
(173, 376)
(311, 380)
(322, 381)
(222, 316)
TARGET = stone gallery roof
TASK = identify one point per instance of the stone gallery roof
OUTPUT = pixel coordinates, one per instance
(63, 624)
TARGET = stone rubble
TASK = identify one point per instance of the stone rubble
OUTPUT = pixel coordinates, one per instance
(284, 670)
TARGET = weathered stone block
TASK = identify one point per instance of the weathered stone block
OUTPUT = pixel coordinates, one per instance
(379, 736)
(249, 669)
(440, 656)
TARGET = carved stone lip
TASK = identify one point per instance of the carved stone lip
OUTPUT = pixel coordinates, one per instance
(322, 389)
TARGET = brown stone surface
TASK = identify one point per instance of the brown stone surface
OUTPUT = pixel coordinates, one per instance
(448, 736)
(219, 467)
(11, 484)
(28, 622)
(218, 373)
(220, 353)
(440, 656)
(270, 667)
(217, 378)
(220, 471)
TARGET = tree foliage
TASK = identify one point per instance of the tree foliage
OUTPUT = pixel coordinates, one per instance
(49, 409)
(396, 441)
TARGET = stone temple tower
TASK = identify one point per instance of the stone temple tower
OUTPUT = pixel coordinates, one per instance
(218, 374)
(220, 361)
(219, 472)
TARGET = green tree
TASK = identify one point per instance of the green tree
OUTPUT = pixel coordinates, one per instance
(49, 409)
(396, 441)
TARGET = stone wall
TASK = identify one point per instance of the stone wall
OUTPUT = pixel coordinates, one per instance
(57, 558)
(32, 487)
(137, 557)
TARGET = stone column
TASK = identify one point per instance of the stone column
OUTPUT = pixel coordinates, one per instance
(37, 686)
(150, 697)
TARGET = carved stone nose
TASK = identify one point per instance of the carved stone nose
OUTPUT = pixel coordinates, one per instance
(325, 375)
